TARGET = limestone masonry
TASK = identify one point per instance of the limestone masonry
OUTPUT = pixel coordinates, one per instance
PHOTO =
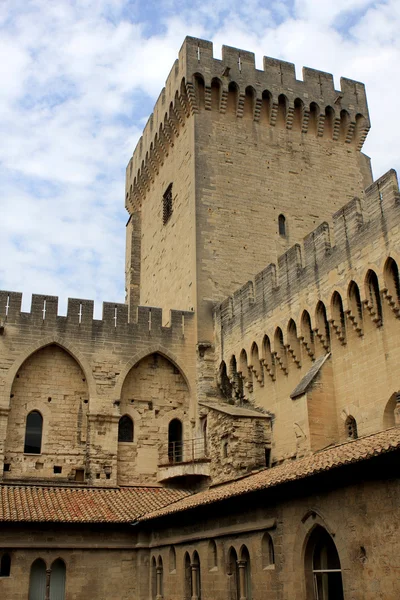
(232, 430)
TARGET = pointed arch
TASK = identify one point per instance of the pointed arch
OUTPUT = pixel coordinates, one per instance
(392, 281)
(172, 559)
(298, 115)
(57, 580)
(233, 574)
(322, 566)
(313, 120)
(282, 110)
(351, 428)
(391, 414)
(155, 349)
(266, 103)
(188, 576)
(233, 97)
(267, 551)
(338, 318)
(293, 341)
(212, 556)
(37, 580)
(307, 334)
(199, 90)
(216, 89)
(43, 343)
(344, 125)
(249, 102)
(224, 382)
(329, 122)
(373, 295)
(322, 328)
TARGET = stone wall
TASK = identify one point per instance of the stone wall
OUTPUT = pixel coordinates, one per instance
(357, 514)
(264, 326)
(81, 374)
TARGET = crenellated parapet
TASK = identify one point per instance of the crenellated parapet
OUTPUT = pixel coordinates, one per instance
(355, 226)
(79, 318)
(272, 97)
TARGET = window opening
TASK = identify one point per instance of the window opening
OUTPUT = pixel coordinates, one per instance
(37, 581)
(326, 570)
(5, 565)
(125, 429)
(33, 433)
(225, 448)
(80, 475)
(282, 225)
(57, 580)
(351, 428)
(167, 204)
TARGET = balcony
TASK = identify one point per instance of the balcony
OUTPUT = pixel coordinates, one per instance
(185, 461)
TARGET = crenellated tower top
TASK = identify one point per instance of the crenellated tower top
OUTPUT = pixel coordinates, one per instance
(198, 80)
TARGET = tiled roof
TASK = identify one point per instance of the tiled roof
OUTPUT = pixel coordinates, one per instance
(20, 503)
(324, 460)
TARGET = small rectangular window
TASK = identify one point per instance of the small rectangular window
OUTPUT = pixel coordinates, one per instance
(57, 469)
(6, 467)
(80, 475)
(167, 204)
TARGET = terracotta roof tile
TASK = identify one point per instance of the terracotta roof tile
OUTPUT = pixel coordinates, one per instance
(324, 460)
(21, 503)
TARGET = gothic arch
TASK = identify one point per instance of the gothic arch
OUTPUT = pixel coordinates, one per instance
(156, 349)
(43, 343)
(312, 519)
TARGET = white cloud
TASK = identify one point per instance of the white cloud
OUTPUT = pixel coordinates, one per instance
(78, 81)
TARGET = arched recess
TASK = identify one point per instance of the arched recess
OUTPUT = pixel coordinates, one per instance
(329, 121)
(322, 325)
(392, 284)
(233, 97)
(373, 294)
(5, 564)
(188, 577)
(155, 349)
(125, 429)
(172, 559)
(216, 88)
(224, 383)
(57, 580)
(232, 570)
(49, 382)
(293, 342)
(249, 103)
(266, 103)
(279, 349)
(355, 307)
(322, 567)
(196, 576)
(44, 342)
(245, 573)
(37, 580)
(282, 110)
(153, 578)
(200, 90)
(307, 334)
(338, 319)
(313, 119)
(268, 357)
(350, 427)
(267, 551)
(391, 414)
(298, 115)
(153, 376)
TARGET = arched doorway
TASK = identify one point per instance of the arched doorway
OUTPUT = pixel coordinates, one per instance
(322, 567)
(175, 441)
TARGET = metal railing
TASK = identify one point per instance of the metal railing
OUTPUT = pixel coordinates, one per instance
(184, 451)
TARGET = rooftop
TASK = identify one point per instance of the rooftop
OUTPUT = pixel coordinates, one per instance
(23, 503)
(335, 456)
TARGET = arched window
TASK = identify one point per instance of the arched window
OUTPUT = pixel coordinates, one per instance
(267, 551)
(125, 429)
(233, 574)
(196, 576)
(212, 555)
(188, 577)
(5, 565)
(33, 433)
(57, 580)
(244, 574)
(37, 580)
(175, 443)
(172, 560)
(160, 578)
(153, 578)
(322, 564)
(351, 428)
(282, 225)
(391, 415)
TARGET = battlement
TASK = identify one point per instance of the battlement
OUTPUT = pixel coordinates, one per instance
(272, 96)
(322, 250)
(115, 319)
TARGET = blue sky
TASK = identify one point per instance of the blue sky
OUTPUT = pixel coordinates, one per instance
(79, 79)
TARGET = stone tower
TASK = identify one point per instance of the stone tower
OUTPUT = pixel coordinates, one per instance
(235, 165)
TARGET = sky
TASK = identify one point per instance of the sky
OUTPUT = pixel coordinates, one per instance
(79, 79)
